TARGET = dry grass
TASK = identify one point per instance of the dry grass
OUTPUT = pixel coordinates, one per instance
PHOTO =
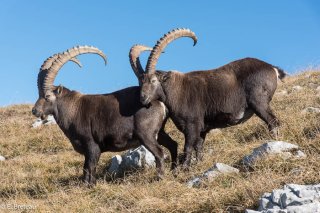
(43, 170)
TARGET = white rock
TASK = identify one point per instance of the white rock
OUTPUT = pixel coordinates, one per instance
(194, 182)
(215, 131)
(285, 149)
(318, 88)
(297, 88)
(132, 160)
(313, 85)
(209, 175)
(251, 211)
(292, 198)
(311, 110)
(305, 208)
(2, 158)
(282, 92)
(115, 164)
(37, 123)
(50, 120)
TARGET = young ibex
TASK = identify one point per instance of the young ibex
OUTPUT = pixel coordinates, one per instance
(100, 123)
(199, 101)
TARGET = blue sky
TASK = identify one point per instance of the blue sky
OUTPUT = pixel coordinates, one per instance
(284, 33)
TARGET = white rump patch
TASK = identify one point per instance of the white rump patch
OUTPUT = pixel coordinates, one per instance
(240, 115)
(277, 72)
(164, 110)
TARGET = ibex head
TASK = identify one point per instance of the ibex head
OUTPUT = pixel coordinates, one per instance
(48, 93)
(151, 88)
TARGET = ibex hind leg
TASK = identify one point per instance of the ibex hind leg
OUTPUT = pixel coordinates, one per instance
(262, 109)
(151, 144)
(165, 140)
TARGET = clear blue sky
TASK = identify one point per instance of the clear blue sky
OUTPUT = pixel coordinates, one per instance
(285, 33)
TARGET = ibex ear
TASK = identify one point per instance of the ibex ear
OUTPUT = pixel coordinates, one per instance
(58, 90)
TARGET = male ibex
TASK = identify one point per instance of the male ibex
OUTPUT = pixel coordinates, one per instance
(199, 101)
(100, 123)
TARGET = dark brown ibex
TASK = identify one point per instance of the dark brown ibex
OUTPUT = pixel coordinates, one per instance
(199, 101)
(100, 123)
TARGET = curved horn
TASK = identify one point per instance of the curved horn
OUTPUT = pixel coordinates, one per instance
(163, 42)
(134, 54)
(45, 66)
(62, 58)
(75, 60)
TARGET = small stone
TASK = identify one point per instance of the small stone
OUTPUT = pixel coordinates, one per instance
(300, 154)
(194, 183)
(37, 123)
(48, 121)
(209, 175)
(282, 93)
(2, 158)
(311, 110)
(297, 88)
(273, 147)
(318, 89)
(313, 85)
(215, 131)
(225, 169)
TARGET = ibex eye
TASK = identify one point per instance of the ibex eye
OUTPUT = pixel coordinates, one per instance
(153, 81)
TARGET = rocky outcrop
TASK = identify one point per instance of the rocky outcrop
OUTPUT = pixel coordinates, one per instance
(281, 148)
(292, 198)
(217, 170)
(132, 160)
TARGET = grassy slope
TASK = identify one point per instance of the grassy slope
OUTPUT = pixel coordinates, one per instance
(43, 170)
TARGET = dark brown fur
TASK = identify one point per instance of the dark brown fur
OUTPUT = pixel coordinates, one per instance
(110, 122)
(203, 100)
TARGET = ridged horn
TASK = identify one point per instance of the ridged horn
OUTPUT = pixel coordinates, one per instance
(62, 58)
(44, 68)
(163, 42)
(134, 54)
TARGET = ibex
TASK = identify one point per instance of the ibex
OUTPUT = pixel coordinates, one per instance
(100, 123)
(199, 101)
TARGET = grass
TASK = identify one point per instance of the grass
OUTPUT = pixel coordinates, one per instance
(44, 171)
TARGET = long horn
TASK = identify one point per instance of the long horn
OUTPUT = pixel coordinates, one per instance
(44, 68)
(134, 54)
(62, 58)
(163, 42)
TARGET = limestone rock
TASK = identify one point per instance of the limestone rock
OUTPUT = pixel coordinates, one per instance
(311, 110)
(297, 88)
(292, 198)
(282, 148)
(2, 158)
(217, 170)
(282, 93)
(138, 158)
(49, 121)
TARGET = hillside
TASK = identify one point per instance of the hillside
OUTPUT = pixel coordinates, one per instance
(42, 169)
